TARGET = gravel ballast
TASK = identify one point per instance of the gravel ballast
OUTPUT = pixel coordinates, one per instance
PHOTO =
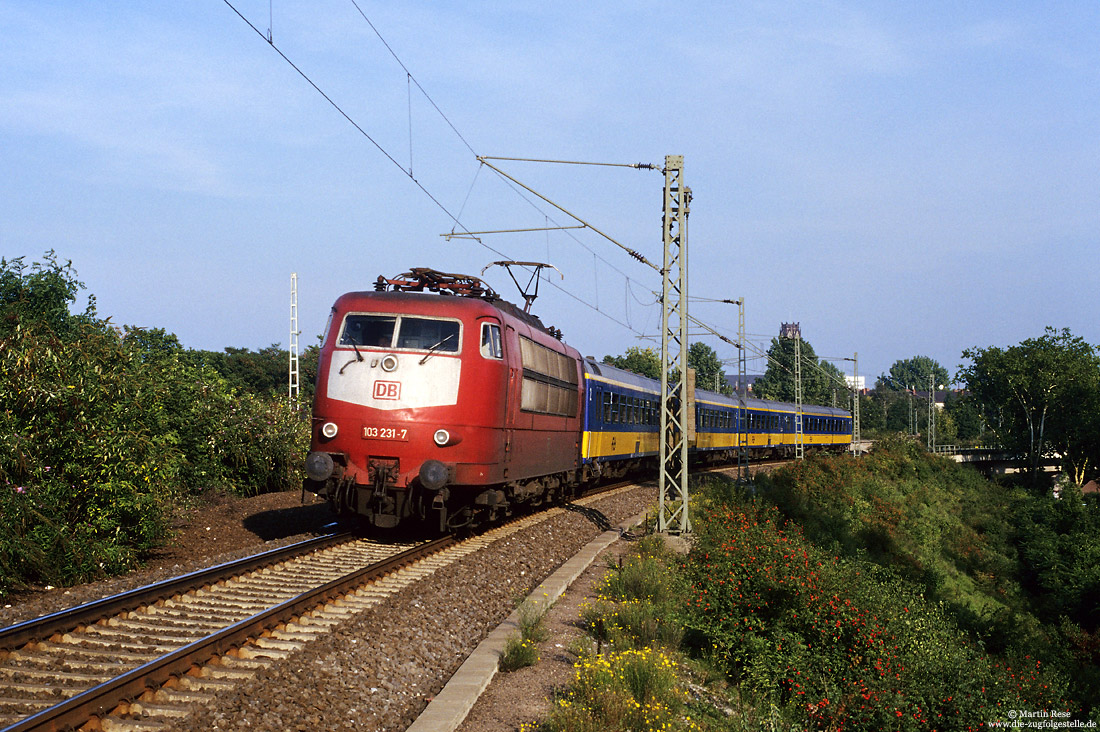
(379, 669)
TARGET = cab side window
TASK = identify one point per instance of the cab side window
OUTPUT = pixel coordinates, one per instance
(490, 341)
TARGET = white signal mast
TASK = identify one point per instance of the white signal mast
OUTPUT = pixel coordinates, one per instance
(294, 384)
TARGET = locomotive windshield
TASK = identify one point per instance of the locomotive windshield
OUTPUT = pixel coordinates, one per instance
(422, 333)
(389, 331)
(368, 330)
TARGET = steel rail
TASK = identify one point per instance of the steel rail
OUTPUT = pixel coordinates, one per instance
(18, 635)
(41, 628)
(100, 700)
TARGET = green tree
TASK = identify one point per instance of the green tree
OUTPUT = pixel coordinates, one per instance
(1059, 543)
(822, 382)
(901, 410)
(913, 373)
(642, 361)
(263, 372)
(872, 416)
(966, 413)
(709, 373)
(1040, 398)
(41, 292)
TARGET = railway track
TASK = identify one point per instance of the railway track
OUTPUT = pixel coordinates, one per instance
(138, 660)
(181, 640)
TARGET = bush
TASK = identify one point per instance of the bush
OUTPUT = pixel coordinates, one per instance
(103, 429)
(841, 643)
(937, 523)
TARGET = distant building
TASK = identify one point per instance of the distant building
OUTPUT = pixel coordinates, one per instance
(939, 398)
(790, 330)
(750, 379)
(859, 383)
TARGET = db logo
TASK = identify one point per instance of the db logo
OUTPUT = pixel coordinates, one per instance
(387, 390)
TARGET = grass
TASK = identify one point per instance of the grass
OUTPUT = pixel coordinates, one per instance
(631, 678)
(521, 649)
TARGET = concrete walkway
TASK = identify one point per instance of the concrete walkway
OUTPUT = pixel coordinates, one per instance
(449, 708)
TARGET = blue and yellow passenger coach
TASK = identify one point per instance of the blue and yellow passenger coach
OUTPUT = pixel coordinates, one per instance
(622, 423)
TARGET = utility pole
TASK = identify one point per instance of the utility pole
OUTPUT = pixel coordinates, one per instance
(912, 411)
(932, 412)
(672, 480)
(794, 331)
(293, 387)
(857, 441)
(742, 395)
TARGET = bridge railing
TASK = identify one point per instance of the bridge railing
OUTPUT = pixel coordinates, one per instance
(957, 450)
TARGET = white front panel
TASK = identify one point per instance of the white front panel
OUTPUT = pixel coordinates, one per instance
(411, 385)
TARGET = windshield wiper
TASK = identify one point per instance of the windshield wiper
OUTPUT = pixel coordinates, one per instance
(431, 351)
(358, 357)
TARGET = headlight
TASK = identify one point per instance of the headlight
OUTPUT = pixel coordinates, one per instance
(441, 437)
(329, 430)
(389, 363)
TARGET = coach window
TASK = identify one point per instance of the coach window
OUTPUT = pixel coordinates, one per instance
(490, 341)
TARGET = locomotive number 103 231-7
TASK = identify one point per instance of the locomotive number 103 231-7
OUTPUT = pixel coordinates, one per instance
(385, 433)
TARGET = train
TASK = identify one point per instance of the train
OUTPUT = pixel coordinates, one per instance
(442, 405)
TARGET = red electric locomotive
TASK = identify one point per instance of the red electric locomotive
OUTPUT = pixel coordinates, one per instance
(436, 400)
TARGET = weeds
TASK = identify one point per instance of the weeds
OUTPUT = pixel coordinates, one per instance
(521, 649)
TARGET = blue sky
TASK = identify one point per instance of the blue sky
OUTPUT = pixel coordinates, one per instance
(902, 179)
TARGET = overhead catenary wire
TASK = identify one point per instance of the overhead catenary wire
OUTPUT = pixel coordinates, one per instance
(520, 189)
(408, 173)
(532, 204)
(413, 79)
(346, 116)
(814, 364)
(632, 252)
(510, 181)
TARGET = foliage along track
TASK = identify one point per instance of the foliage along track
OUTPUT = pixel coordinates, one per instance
(143, 668)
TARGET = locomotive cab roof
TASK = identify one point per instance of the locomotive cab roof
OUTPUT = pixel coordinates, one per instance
(427, 282)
